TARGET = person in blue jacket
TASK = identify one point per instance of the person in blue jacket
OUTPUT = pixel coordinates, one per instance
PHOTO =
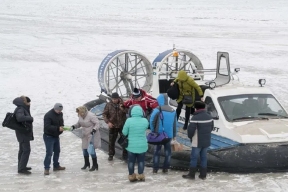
(163, 118)
(135, 128)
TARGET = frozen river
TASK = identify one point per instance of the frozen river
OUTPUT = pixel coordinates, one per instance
(51, 50)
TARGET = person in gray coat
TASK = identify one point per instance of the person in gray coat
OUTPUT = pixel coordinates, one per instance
(90, 130)
(22, 113)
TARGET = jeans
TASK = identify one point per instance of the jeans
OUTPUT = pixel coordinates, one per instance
(23, 155)
(113, 134)
(85, 153)
(156, 157)
(52, 144)
(194, 157)
(131, 162)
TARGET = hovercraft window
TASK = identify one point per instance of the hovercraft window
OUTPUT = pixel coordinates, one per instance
(249, 106)
(211, 107)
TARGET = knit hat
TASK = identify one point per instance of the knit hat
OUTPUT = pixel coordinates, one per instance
(199, 105)
(58, 107)
(136, 93)
(115, 95)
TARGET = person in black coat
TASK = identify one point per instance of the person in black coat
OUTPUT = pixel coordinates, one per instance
(199, 132)
(22, 113)
(53, 127)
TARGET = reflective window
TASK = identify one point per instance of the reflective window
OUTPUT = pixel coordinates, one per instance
(251, 106)
(223, 66)
(211, 107)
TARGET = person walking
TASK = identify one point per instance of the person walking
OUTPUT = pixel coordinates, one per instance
(53, 127)
(135, 128)
(199, 132)
(23, 115)
(89, 123)
(114, 115)
(163, 119)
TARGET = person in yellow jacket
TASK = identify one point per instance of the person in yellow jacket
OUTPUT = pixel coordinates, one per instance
(187, 86)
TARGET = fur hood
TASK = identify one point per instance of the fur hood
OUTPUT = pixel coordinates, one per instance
(21, 101)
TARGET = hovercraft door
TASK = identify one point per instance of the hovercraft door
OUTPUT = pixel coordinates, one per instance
(222, 69)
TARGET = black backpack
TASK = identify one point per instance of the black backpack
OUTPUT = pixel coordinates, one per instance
(11, 122)
(173, 91)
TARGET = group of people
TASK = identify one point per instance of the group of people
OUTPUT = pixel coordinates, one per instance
(53, 127)
(131, 118)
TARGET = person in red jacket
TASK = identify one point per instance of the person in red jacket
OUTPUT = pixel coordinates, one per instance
(140, 97)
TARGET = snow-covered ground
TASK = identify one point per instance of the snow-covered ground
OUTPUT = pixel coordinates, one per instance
(51, 50)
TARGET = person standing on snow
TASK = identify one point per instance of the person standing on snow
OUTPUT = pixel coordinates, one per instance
(187, 86)
(22, 113)
(90, 129)
(53, 127)
(199, 132)
(114, 115)
(135, 128)
(163, 119)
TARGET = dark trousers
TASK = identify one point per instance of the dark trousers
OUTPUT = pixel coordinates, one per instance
(188, 112)
(113, 134)
(23, 154)
(132, 157)
(52, 145)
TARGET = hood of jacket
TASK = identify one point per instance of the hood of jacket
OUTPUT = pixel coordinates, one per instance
(20, 101)
(162, 99)
(136, 111)
(182, 75)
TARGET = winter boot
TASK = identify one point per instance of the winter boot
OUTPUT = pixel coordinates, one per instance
(87, 163)
(59, 168)
(110, 158)
(165, 170)
(132, 177)
(203, 173)
(191, 174)
(46, 172)
(140, 177)
(24, 172)
(95, 165)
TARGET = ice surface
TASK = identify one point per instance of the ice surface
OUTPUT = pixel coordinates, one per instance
(51, 50)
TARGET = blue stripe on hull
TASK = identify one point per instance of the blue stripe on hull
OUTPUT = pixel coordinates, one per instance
(217, 142)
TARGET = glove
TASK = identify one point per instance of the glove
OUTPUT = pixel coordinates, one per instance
(32, 120)
(72, 128)
(93, 131)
